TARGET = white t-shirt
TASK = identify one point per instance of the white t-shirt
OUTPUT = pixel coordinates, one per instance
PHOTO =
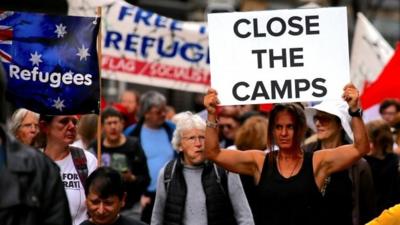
(73, 186)
(79, 144)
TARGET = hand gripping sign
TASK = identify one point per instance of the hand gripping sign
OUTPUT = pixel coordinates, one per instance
(279, 55)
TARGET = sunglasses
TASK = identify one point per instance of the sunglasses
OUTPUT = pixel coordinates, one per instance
(66, 121)
(322, 118)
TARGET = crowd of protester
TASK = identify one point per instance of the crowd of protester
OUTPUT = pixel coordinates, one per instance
(238, 165)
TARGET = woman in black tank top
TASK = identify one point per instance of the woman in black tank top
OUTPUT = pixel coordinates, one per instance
(288, 181)
(291, 200)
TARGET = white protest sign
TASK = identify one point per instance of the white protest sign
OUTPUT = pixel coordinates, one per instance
(279, 55)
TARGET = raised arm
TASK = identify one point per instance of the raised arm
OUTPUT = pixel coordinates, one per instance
(342, 157)
(243, 162)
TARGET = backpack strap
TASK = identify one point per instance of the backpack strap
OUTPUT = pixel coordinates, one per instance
(168, 173)
(222, 178)
(80, 163)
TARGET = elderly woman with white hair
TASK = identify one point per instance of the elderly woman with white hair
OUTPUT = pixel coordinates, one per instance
(192, 190)
(24, 125)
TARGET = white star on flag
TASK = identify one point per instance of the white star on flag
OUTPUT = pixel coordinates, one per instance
(35, 59)
(60, 30)
(83, 53)
(58, 104)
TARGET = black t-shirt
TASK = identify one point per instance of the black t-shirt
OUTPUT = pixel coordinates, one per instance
(386, 180)
(120, 221)
(130, 156)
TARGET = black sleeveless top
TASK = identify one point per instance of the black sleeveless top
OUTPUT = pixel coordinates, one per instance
(289, 201)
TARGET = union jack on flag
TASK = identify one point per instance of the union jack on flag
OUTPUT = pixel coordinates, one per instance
(51, 62)
(5, 40)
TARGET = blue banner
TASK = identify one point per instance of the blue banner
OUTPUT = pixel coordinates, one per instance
(51, 62)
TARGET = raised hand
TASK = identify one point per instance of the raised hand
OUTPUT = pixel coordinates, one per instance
(351, 96)
(211, 101)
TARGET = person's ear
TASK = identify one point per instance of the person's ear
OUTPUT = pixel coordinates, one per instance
(122, 204)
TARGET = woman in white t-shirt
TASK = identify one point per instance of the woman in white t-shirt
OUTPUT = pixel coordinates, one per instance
(59, 133)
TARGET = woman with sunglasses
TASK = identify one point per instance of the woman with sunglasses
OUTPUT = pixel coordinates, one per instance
(59, 132)
(348, 194)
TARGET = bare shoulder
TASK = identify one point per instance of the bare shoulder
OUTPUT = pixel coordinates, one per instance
(257, 154)
(328, 159)
(329, 154)
(320, 155)
(258, 157)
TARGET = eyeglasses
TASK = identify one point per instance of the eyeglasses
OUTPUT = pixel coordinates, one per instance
(322, 118)
(193, 139)
(30, 126)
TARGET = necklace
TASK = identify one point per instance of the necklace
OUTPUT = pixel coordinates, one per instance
(294, 168)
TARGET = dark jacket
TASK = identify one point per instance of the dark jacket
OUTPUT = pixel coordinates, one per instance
(31, 191)
(134, 159)
(386, 175)
(135, 130)
(218, 204)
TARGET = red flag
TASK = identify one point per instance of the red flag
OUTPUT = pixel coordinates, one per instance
(265, 107)
(387, 85)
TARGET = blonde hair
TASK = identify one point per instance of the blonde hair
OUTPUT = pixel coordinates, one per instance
(252, 134)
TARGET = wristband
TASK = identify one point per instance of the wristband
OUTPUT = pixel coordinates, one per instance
(357, 113)
(212, 124)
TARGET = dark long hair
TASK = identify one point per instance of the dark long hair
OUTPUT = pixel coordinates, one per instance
(380, 135)
(299, 123)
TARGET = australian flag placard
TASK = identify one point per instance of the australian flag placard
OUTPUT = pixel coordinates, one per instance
(50, 62)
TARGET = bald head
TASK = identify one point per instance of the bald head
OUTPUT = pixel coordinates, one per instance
(130, 100)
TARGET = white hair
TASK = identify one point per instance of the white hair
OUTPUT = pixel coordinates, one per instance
(186, 121)
(17, 118)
